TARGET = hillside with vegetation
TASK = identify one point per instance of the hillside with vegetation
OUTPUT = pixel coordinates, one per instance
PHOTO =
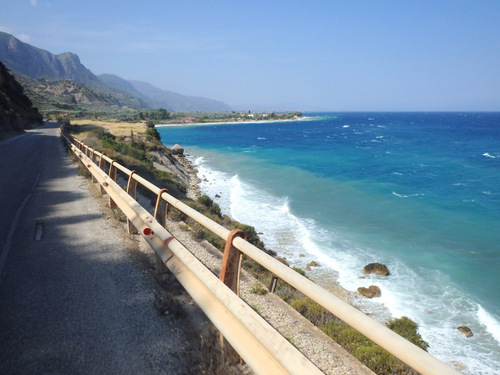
(29, 62)
(26, 60)
(16, 109)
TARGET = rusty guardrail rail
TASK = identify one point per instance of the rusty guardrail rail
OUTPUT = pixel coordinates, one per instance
(263, 348)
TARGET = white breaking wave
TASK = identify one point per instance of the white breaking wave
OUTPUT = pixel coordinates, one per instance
(404, 195)
(488, 155)
(437, 307)
(491, 324)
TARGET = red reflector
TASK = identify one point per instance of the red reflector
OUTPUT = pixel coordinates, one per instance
(147, 231)
(88, 166)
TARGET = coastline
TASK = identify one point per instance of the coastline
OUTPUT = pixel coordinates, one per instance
(330, 357)
(323, 275)
(320, 276)
(230, 122)
(327, 278)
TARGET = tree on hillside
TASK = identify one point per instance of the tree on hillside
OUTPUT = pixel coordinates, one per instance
(151, 130)
(160, 114)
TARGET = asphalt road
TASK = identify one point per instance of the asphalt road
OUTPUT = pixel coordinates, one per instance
(71, 299)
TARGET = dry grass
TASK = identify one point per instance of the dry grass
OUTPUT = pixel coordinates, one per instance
(116, 128)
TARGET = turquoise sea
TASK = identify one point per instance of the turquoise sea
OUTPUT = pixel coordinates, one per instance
(419, 192)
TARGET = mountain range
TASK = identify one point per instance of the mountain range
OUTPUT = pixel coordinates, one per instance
(39, 71)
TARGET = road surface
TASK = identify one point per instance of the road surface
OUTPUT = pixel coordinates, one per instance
(71, 299)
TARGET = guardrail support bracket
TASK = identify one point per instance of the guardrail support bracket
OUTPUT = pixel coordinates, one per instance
(132, 191)
(231, 262)
(112, 175)
(161, 209)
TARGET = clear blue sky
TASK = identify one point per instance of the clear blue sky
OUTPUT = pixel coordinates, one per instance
(335, 55)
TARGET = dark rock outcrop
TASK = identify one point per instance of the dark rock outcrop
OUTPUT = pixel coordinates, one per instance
(465, 330)
(312, 264)
(177, 150)
(371, 292)
(376, 268)
(16, 110)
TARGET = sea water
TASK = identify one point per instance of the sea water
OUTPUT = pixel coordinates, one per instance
(419, 192)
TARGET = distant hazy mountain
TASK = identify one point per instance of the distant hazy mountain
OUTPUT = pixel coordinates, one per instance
(118, 82)
(24, 59)
(122, 84)
(159, 98)
(177, 102)
(35, 63)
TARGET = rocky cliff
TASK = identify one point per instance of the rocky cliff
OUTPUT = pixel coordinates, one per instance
(16, 110)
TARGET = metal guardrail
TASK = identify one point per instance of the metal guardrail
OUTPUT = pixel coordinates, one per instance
(262, 347)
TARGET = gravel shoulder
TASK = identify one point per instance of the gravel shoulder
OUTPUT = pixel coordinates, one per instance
(330, 357)
(72, 299)
(97, 300)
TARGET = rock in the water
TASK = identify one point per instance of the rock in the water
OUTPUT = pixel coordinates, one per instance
(370, 292)
(177, 150)
(465, 330)
(376, 268)
(313, 264)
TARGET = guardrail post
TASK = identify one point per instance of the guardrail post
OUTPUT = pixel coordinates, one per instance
(160, 216)
(102, 164)
(231, 262)
(230, 275)
(93, 158)
(112, 175)
(274, 282)
(161, 208)
(132, 191)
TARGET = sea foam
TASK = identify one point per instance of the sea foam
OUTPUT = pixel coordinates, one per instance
(491, 324)
(343, 223)
(421, 296)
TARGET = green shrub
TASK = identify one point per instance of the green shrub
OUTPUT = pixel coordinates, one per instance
(251, 234)
(408, 329)
(258, 289)
(208, 207)
(300, 271)
(200, 233)
(311, 310)
(166, 178)
(373, 356)
(152, 132)
(205, 200)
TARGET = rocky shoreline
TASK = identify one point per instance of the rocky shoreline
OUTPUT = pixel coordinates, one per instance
(329, 356)
(321, 278)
